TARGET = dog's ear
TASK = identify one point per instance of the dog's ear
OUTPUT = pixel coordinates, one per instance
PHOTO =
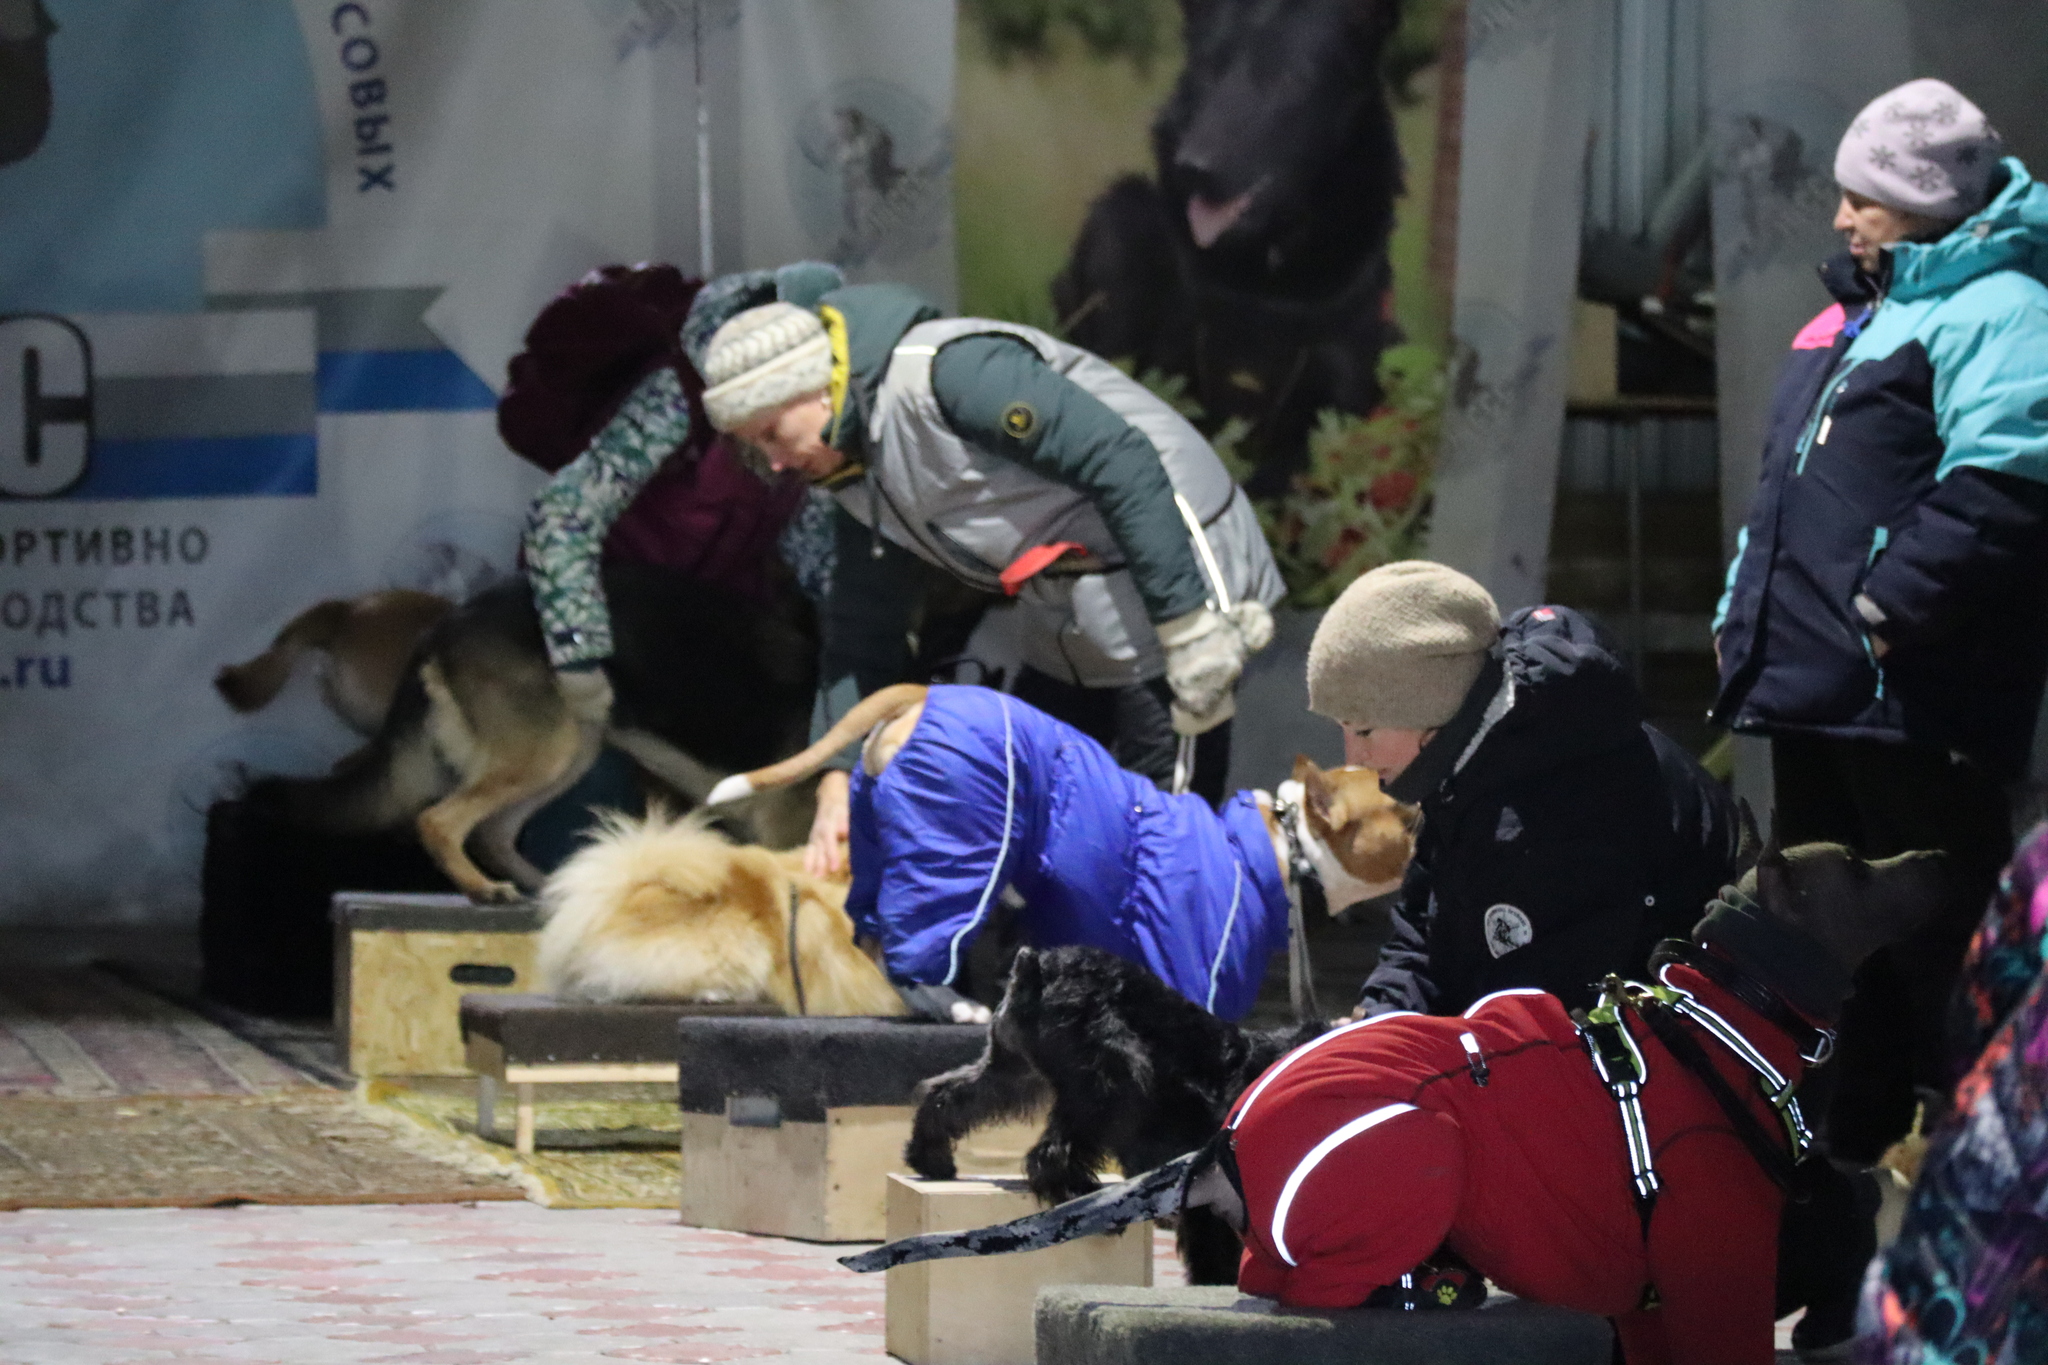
(1770, 879)
(1316, 791)
(1750, 843)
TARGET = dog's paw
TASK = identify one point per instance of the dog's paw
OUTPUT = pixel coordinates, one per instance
(970, 1012)
(933, 1161)
(1055, 1180)
(496, 893)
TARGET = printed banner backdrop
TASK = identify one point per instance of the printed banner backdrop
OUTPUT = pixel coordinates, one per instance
(261, 266)
(1242, 204)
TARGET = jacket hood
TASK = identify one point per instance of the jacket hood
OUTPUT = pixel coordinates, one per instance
(1573, 699)
(877, 316)
(2010, 234)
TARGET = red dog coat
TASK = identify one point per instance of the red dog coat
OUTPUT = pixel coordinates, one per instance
(1363, 1150)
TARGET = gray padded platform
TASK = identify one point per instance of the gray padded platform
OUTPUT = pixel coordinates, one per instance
(811, 1065)
(431, 912)
(540, 1028)
(1113, 1325)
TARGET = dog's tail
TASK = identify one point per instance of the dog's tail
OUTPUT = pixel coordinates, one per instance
(879, 709)
(251, 686)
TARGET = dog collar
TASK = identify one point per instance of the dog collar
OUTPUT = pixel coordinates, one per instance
(1288, 814)
(1815, 1044)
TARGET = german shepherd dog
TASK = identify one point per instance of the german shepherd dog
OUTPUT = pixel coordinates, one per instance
(479, 735)
(1255, 263)
(364, 642)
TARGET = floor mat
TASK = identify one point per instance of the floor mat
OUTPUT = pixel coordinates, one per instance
(73, 1032)
(298, 1147)
(611, 1153)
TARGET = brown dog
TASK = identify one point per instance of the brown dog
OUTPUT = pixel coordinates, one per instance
(366, 640)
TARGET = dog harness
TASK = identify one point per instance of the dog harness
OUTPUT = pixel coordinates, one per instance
(1623, 1070)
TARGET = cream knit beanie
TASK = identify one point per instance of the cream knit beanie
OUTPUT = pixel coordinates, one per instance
(1401, 647)
(1922, 148)
(764, 358)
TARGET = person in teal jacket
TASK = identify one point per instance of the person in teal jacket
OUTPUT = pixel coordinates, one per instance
(1886, 618)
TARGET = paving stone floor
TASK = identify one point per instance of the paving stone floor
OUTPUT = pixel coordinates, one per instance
(427, 1284)
(419, 1284)
(422, 1285)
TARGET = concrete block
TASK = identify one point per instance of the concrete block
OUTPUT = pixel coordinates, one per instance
(978, 1310)
(1108, 1325)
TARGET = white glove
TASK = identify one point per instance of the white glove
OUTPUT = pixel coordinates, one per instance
(588, 694)
(1205, 654)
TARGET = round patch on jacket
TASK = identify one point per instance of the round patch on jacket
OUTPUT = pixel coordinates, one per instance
(1507, 929)
(1019, 420)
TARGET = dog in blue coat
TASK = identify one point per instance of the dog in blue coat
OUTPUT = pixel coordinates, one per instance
(964, 793)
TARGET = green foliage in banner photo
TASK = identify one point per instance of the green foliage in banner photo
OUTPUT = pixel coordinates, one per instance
(1364, 499)
(1131, 29)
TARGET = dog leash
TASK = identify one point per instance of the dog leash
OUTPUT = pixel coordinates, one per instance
(1301, 981)
(1152, 1194)
(796, 970)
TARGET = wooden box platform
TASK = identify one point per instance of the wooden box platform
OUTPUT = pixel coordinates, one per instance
(820, 1182)
(792, 1126)
(403, 962)
(979, 1310)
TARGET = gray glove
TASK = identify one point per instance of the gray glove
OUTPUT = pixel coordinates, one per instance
(1205, 654)
(588, 694)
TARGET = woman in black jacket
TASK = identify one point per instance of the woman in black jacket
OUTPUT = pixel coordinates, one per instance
(1562, 836)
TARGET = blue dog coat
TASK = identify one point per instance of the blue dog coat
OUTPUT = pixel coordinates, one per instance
(989, 792)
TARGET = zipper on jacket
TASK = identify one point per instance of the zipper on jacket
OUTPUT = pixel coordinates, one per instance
(1822, 420)
(1879, 538)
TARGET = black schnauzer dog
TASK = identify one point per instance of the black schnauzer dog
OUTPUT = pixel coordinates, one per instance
(1256, 265)
(1136, 1072)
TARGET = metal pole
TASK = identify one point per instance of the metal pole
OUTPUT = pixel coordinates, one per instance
(704, 267)
(1633, 429)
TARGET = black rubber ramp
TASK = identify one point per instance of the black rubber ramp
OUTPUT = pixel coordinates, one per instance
(1112, 1325)
(811, 1065)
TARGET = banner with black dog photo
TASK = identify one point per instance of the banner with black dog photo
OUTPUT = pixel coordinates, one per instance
(1246, 206)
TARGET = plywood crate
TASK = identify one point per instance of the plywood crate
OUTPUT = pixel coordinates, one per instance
(822, 1182)
(791, 1125)
(979, 1310)
(402, 964)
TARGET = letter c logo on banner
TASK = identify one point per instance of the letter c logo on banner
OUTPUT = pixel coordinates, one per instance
(45, 405)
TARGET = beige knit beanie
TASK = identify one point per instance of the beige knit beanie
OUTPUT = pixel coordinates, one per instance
(1401, 647)
(764, 358)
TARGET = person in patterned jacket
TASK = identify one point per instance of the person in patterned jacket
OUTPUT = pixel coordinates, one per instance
(1967, 1277)
(607, 398)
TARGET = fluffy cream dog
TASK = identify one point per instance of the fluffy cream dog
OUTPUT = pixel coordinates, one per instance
(666, 909)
